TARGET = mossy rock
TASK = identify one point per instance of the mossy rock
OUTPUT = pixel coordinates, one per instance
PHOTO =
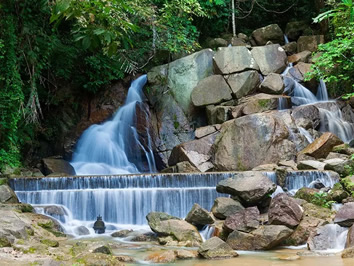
(46, 224)
(348, 184)
(319, 212)
(338, 193)
(103, 249)
(26, 208)
(307, 194)
(50, 243)
(4, 242)
(3, 181)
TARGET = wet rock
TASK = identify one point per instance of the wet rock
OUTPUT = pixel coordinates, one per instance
(215, 248)
(310, 165)
(164, 257)
(350, 238)
(345, 215)
(7, 195)
(199, 216)
(266, 167)
(205, 131)
(272, 84)
(99, 259)
(243, 84)
(309, 43)
(322, 146)
(123, 258)
(250, 187)
(270, 58)
(307, 116)
(51, 166)
(233, 59)
(224, 207)
(342, 167)
(211, 90)
(284, 210)
(244, 221)
(147, 237)
(268, 33)
(121, 233)
(81, 231)
(294, 29)
(325, 237)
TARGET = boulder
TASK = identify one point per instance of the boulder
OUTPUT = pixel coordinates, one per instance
(207, 130)
(272, 84)
(315, 211)
(240, 240)
(284, 210)
(338, 193)
(51, 166)
(178, 230)
(310, 165)
(252, 140)
(215, 248)
(345, 215)
(186, 254)
(268, 33)
(325, 237)
(348, 183)
(344, 149)
(309, 43)
(294, 29)
(199, 216)
(243, 84)
(306, 193)
(164, 257)
(235, 41)
(322, 146)
(342, 167)
(233, 59)
(224, 207)
(350, 238)
(250, 187)
(122, 233)
(290, 48)
(270, 58)
(348, 253)
(306, 116)
(218, 114)
(245, 220)
(7, 195)
(303, 57)
(216, 43)
(81, 230)
(197, 152)
(211, 90)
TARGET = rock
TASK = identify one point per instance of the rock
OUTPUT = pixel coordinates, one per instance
(121, 233)
(245, 220)
(51, 165)
(199, 216)
(344, 149)
(197, 152)
(211, 90)
(325, 237)
(315, 211)
(290, 164)
(307, 194)
(273, 84)
(218, 114)
(216, 43)
(50, 243)
(322, 146)
(235, 41)
(348, 253)
(233, 59)
(241, 241)
(266, 167)
(338, 193)
(207, 130)
(103, 249)
(345, 215)
(290, 48)
(342, 167)
(303, 57)
(243, 84)
(350, 238)
(215, 248)
(309, 43)
(186, 167)
(98, 259)
(348, 183)
(147, 237)
(306, 116)
(310, 164)
(81, 231)
(7, 195)
(294, 29)
(284, 210)
(164, 257)
(224, 207)
(271, 33)
(186, 254)
(179, 230)
(252, 140)
(123, 258)
(250, 187)
(270, 58)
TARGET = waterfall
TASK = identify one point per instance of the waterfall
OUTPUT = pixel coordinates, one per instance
(114, 146)
(306, 134)
(322, 94)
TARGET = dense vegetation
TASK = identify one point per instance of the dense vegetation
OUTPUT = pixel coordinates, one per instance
(85, 45)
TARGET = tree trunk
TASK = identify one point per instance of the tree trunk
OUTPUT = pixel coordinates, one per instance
(233, 18)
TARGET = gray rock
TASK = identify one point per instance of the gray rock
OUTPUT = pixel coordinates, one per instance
(235, 41)
(325, 237)
(224, 207)
(216, 43)
(121, 233)
(271, 33)
(81, 231)
(342, 167)
(207, 130)
(215, 248)
(290, 48)
(199, 216)
(218, 114)
(270, 58)
(310, 165)
(309, 43)
(243, 84)
(245, 220)
(345, 215)
(7, 195)
(211, 90)
(307, 116)
(273, 84)
(51, 165)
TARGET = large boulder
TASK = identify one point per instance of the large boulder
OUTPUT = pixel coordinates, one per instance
(219, 114)
(303, 57)
(224, 207)
(233, 59)
(168, 226)
(310, 165)
(270, 58)
(52, 165)
(250, 187)
(272, 33)
(215, 248)
(342, 167)
(199, 216)
(284, 210)
(306, 116)
(322, 146)
(263, 102)
(245, 220)
(7, 195)
(325, 237)
(216, 43)
(272, 84)
(252, 140)
(345, 215)
(211, 90)
(309, 43)
(243, 84)
(306, 193)
(207, 130)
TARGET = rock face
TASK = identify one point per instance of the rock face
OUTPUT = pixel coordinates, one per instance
(211, 90)
(322, 146)
(51, 165)
(199, 216)
(345, 215)
(215, 248)
(270, 58)
(244, 83)
(252, 140)
(7, 195)
(244, 221)
(272, 33)
(233, 59)
(273, 84)
(309, 43)
(284, 210)
(179, 230)
(250, 187)
(224, 207)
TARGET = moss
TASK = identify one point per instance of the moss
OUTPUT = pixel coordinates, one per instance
(348, 184)
(50, 243)
(263, 103)
(3, 181)
(31, 250)
(48, 224)
(26, 208)
(4, 242)
(30, 231)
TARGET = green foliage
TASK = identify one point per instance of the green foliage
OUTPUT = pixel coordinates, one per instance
(322, 199)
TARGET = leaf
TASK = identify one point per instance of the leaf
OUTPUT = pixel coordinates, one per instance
(86, 42)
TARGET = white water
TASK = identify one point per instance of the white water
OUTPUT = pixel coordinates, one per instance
(114, 147)
(306, 134)
(207, 232)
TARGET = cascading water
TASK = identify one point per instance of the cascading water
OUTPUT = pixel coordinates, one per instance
(114, 146)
